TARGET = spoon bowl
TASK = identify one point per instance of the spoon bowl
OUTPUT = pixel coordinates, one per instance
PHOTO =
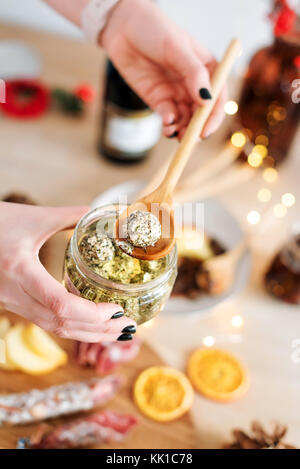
(165, 215)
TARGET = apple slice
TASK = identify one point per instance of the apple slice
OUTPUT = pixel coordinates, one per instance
(23, 357)
(8, 365)
(4, 328)
(192, 243)
(43, 345)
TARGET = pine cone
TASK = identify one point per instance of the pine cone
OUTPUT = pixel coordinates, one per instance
(259, 438)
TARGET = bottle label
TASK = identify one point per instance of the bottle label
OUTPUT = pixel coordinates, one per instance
(132, 134)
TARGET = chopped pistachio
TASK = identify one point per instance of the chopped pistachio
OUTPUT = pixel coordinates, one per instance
(103, 255)
(125, 246)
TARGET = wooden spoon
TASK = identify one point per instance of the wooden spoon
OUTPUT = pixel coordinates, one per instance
(160, 201)
(222, 268)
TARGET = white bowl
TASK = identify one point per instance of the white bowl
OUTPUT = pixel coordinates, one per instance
(219, 223)
(18, 60)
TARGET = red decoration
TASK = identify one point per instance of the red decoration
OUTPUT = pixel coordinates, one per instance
(26, 99)
(285, 21)
(297, 61)
(85, 92)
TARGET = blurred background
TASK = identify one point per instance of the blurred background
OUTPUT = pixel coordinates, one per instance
(240, 18)
(71, 148)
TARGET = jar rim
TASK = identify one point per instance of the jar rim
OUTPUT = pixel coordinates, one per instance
(91, 275)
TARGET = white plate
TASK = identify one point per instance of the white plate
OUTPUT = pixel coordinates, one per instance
(18, 60)
(219, 223)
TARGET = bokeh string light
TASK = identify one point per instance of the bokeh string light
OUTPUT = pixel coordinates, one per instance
(288, 199)
(209, 341)
(261, 150)
(237, 321)
(262, 140)
(270, 175)
(258, 156)
(279, 210)
(238, 139)
(253, 217)
(231, 108)
(255, 160)
(264, 195)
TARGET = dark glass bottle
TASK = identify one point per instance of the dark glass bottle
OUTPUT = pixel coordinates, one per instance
(268, 115)
(130, 129)
(266, 108)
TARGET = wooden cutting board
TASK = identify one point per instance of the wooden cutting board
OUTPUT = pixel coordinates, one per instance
(148, 434)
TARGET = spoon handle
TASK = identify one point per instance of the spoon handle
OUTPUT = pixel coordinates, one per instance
(199, 120)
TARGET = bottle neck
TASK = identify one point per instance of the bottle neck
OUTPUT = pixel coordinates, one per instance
(119, 93)
(287, 47)
(292, 39)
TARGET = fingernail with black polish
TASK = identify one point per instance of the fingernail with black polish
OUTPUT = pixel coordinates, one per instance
(130, 329)
(124, 337)
(117, 315)
(175, 134)
(204, 93)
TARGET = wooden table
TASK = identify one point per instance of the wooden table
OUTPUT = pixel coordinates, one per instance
(54, 160)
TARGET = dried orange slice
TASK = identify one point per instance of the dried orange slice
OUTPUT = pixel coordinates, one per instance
(217, 374)
(163, 394)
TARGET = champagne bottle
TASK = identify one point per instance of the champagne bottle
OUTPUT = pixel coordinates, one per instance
(130, 129)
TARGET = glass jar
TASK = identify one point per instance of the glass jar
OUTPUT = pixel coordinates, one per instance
(141, 300)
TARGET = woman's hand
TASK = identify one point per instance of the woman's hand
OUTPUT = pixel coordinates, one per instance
(167, 68)
(28, 290)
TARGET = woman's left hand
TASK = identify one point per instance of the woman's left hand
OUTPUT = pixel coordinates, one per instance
(167, 68)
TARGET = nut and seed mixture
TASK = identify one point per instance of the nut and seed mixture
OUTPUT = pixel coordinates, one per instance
(125, 246)
(99, 247)
(104, 256)
(143, 229)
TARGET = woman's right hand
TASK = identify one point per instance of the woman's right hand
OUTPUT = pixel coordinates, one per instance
(27, 289)
(166, 66)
